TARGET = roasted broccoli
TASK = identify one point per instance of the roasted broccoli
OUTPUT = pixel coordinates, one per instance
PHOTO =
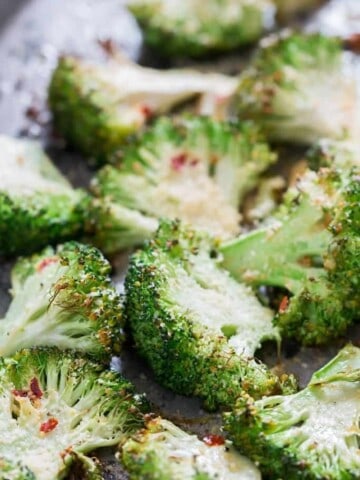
(63, 298)
(97, 107)
(194, 28)
(163, 451)
(313, 434)
(312, 249)
(55, 407)
(37, 204)
(289, 8)
(14, 470)
(196, 326)
(301, 88)
(334, 154)
(195, 169)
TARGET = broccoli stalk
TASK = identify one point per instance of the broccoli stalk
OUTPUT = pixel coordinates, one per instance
(195, 169)
(287, 89)
(313, 434)
(196, 326)
(56, 406)
(311, 249)
(192, 28)
(38, 206)
(162, 451)
(63, 298)
(97, 107)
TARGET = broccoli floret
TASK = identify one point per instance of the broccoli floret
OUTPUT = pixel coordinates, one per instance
(196, 326)
(195, 169)
(313, 434)
(289, 8)
(63, 297)
(334, 154)
(14, 470)
(97, 107)
(163, 451)
(37, 204)
(312, 250)
(194, 28)
(287, 89)
(56, 406)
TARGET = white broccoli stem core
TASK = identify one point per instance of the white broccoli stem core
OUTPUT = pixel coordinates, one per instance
(211, 297)
(26, 170)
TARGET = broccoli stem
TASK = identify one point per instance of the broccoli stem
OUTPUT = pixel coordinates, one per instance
(272, 255)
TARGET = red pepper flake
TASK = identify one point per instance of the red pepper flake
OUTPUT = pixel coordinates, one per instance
(178, 161)
(49, 425)
(214, 440)
(46, 262)
(284, 304)
(146, 111)
(20, 393)
(35, 388)
(108, 45)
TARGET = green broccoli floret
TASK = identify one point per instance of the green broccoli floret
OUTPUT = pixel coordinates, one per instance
(289, 8)
(38, 206)
(287, 88)
(163, 451)
(193, 168)
(14, 470)
(312, 250)
(56, 406)
(196, 326)
(313, 434)
(194, 28)
(334, 154)
(97, 107)
(63, 298)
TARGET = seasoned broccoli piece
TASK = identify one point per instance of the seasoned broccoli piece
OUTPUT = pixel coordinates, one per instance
(312, 250)
(289, 8)
(313, 434)
(196, 326)
(37, 204)
(14, 470)
(301, 88)
(334, 153)
(163, 451)
(97, 107)
(194, 28)
(57, 406)
(195, 169)
(63, 298)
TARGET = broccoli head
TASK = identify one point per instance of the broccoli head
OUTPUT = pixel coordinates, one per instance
(192, 28)
(313, 434)
(334, 154)
(38, 206)
(63, 297)
(311, 249)
(287, 89)
(162, 451)
(196, 326)
(97, 107)
(57, 406)
(192, 168)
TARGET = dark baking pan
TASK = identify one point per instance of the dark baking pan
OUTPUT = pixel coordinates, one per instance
(32, 35)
